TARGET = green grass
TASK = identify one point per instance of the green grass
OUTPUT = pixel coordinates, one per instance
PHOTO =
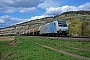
(26, 49)
(66, 45)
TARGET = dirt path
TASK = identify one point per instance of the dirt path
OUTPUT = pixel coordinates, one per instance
(64, 52)
(6, 38)
(79, 48)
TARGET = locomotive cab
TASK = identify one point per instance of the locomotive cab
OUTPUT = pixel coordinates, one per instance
(61, 27)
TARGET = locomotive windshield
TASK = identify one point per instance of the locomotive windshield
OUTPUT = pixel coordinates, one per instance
(62, 24)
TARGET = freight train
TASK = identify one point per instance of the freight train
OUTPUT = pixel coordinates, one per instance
(57, 27)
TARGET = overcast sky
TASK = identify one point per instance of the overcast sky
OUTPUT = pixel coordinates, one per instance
(17, 11)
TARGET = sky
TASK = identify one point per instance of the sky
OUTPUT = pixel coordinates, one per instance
(18, 11)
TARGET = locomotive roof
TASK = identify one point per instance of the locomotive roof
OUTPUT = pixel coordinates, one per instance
(62, 21)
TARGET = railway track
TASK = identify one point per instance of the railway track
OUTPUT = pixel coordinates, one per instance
(76, 38)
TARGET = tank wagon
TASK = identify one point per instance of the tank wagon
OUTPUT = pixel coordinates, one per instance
(58, 27)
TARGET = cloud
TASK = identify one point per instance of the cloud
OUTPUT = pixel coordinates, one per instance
(10, 6)
(1, 21)
(6, 21)
(59, 10)
(23, 10)
(86, 6)
(52, 10)
(48, 3)
(37, 17)
(24, 3)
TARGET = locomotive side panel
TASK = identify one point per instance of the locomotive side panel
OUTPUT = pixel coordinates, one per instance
(47, 28)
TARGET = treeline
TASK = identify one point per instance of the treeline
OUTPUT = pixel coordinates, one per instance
(77, 12)
(79, 27)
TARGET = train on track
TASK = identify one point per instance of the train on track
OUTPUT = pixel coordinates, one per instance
(57, 27)
(54, 28)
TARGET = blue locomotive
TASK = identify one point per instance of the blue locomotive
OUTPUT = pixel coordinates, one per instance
(57, 27)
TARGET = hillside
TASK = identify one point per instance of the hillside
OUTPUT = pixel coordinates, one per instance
(78, 22)
(77, 12)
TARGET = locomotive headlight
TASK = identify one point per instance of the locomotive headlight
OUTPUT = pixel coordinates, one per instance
(66, 29)
(59, 31)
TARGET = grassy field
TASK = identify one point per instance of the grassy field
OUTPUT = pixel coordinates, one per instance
(77, 47)
(26, 49)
